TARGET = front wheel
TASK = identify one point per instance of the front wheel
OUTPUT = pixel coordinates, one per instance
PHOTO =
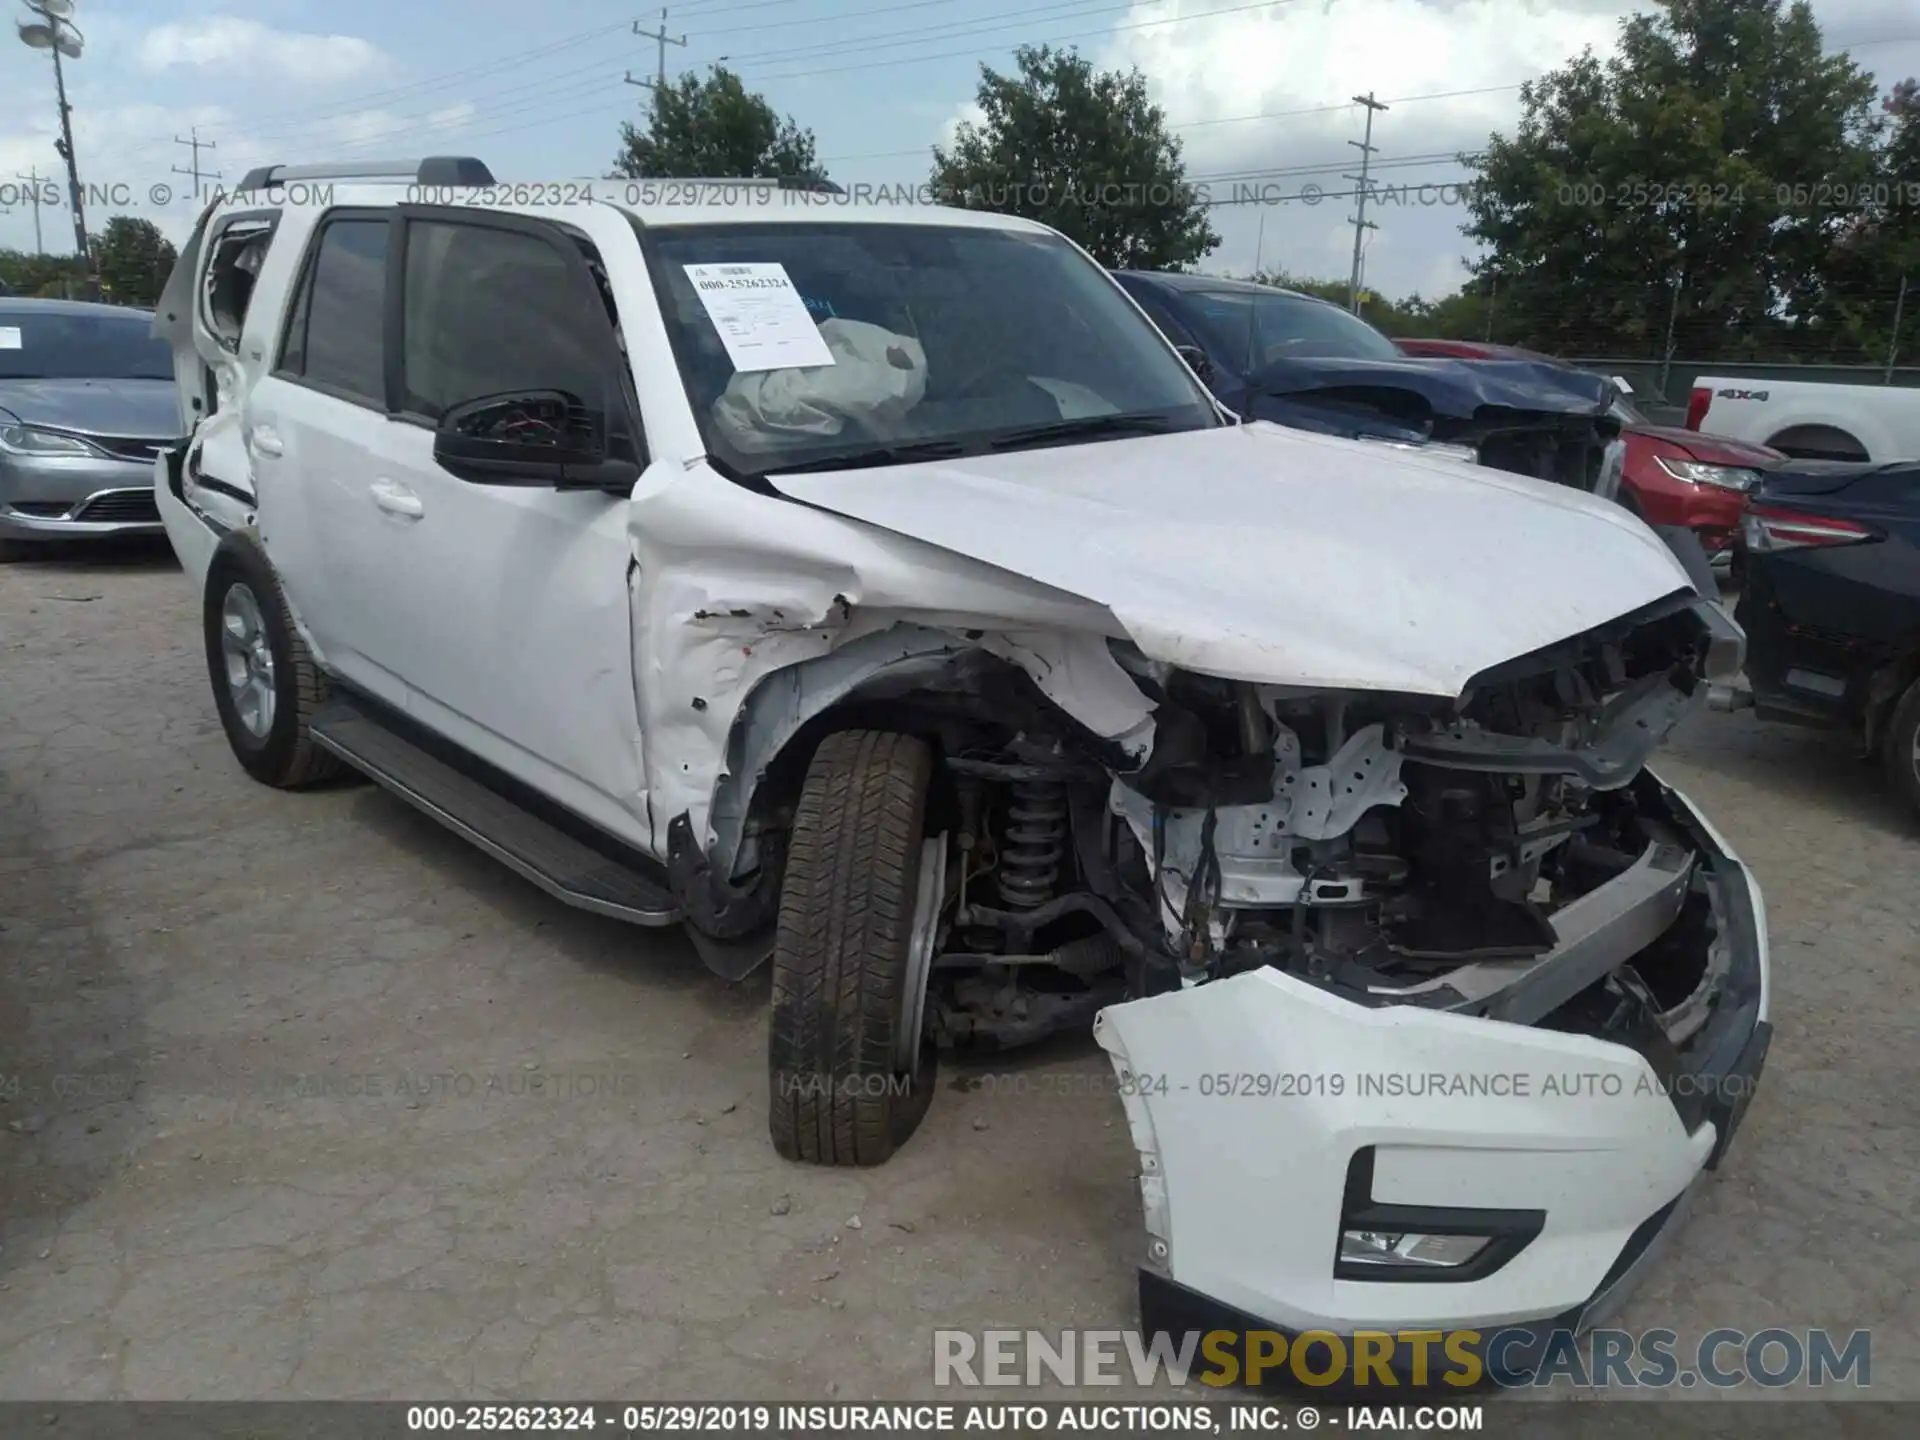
(266, 685)
(851, 1074)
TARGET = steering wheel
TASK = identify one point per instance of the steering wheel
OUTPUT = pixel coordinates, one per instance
(987, 377)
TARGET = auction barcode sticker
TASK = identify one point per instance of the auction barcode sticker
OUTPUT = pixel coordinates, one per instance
(761, 318)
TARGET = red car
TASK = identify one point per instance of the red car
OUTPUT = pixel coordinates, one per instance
(1677, 477)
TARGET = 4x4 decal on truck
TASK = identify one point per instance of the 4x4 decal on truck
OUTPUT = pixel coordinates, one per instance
(1741, 395)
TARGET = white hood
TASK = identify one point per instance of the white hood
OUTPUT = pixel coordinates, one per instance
(1261, 553)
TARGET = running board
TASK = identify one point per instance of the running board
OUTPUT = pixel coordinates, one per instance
(526, 844)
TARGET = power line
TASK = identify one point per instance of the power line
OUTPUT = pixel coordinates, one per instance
(542, 91)
(949, 30)
(832, 19)
(1043, 40)
(571, 87)
(528, 105)
(1333, 106)
(355, 104)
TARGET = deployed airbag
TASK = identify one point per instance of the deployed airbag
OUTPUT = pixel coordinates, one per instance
(877, 376)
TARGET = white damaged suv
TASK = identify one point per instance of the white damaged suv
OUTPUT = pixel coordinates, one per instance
(873, 590)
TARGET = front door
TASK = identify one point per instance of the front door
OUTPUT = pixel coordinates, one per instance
(500, 608)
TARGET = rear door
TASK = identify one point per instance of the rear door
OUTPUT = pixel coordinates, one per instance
(313, 427)
(221, 347)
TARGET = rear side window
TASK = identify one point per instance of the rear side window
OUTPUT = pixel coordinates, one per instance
(237, 253)
(494, 312)
(334, 337)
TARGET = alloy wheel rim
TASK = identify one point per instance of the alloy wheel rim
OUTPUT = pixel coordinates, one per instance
(929, 900)
(248, 659)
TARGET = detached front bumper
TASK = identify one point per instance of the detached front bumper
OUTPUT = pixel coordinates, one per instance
(1271, 1116)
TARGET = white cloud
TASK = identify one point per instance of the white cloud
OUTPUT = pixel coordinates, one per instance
(1208, 74)
(255, 51)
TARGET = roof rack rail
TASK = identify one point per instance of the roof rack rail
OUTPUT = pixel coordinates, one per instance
(821, 186)
(433, 170)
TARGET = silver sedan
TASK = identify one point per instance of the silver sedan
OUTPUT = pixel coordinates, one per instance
(87, 400)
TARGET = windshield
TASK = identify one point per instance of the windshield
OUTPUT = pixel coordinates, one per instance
(50, 344)
(1255, 329)
(803, 344)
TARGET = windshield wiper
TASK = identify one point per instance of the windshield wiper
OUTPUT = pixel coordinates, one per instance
(1087, 427)
(907, 454)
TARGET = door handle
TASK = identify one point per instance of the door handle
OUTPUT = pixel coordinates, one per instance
(396, 499)
(266, 440)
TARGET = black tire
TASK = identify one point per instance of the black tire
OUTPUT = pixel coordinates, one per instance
(840, 954)
(1901, 747)
(286, 756)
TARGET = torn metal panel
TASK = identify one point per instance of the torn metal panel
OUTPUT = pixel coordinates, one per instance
(730, 587)
(1078, 673)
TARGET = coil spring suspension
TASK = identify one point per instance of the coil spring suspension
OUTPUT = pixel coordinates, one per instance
(1036, 837)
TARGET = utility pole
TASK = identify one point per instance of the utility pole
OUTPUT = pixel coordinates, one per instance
(1673, 319)
(662, 40)
(33, 177)
(1893, 346)
(197, 145)
(1360, 222)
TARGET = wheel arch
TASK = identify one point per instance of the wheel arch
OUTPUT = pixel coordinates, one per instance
(938, 684)
(1818, 441)
(247, 539)
(1886, 687)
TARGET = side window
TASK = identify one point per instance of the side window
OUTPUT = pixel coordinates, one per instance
(1157, 311)
(334, 336)
(237, 253)
(495, 312)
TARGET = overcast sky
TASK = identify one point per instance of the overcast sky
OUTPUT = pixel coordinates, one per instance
(539, 91)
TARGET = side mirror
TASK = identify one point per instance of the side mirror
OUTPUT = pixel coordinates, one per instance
(530, 437)
(1197, 359)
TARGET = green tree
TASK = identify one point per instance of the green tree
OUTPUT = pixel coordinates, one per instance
(1084, 152)
(1700, 178)
(1874, 258)
(715, 128)
(133, 260)
(53, 277)
(1395, 317)
(1471, 313)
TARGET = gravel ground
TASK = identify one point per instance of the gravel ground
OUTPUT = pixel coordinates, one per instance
(538, 1165)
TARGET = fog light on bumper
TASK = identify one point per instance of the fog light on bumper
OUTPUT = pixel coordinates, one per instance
(1404, 1243)
(1384, 1248)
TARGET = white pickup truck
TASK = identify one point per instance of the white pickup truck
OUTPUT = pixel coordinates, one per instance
(1809, 419)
